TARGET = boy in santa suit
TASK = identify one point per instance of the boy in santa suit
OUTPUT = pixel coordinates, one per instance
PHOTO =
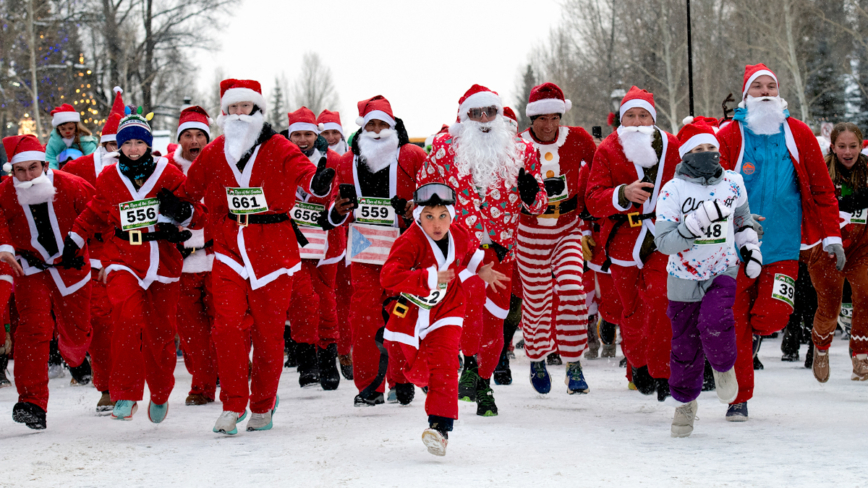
(89, 167)
(141, 265)
(424, 327)
(629, 168)
(312, 312)
(47, 287)
(381, 165)
(252, 174)
(333, 132)
(195, 308)
(788, 184)
(550, 247)
(496, 175)
(701, 213)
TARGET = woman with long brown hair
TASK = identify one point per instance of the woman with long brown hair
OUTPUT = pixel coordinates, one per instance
(848, 169)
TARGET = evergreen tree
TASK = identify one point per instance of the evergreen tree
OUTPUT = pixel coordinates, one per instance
(527, 84)
(825, 86)
(277, 114)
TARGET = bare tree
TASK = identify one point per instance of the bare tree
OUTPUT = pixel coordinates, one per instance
(314, 87)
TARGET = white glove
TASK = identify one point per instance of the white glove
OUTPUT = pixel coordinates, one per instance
(709, 211)
(753, 260)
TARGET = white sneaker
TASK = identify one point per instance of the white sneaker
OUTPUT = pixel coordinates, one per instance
(682, 423)
(55, 371)
(726, 385)
(226, 423)
(435, 442)
(259, 421)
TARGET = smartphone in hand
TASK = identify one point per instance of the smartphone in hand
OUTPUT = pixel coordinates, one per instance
(349, 191)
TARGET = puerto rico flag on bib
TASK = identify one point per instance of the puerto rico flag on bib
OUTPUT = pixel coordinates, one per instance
(370, 243)
(316, 243)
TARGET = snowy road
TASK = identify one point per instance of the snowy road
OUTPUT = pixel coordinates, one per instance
(801, 433)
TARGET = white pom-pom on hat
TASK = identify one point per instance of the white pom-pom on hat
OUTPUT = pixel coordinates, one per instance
(7, 168)
(455, 129)
(687, 120)
(360, 121)
(118, 90)
(568, 105)
(320, 126)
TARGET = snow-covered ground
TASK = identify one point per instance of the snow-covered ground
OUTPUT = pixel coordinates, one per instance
(801, 433)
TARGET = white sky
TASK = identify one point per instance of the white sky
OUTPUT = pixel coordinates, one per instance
(401, 49)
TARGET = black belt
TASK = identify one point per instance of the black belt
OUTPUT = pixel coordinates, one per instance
(136, 237)
(248, 219)
(634, 219)
(558, 208)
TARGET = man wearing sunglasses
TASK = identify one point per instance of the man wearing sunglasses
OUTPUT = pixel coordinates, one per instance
(550, 246)
(495, 175)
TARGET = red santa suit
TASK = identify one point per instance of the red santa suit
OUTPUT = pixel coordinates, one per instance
(142, 282)
(490, 218)
(47, 294)
(423, 341)
(254, 263)
(641, 284)
(550, 251)
(366, 309)
(89, 168)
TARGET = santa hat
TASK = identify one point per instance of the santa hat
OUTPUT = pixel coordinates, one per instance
(63, 114)
(700, 119)
(303, 119)
(330, 121)
(547, 98)
(510, 114)
(751, 73)
(194, 117)
(235, 91)
(638, 97)
(22, 148)
(477, 96)
(694, 134)
(375, 108)
(110, 129)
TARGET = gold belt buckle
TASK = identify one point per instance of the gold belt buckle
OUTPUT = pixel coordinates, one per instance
(244, 220)
(400, 310)
(135, 237)
(634, 223)
(556, 213)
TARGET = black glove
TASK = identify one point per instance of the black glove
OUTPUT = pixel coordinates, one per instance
(399, 204)
(322, 180)
(323, 220)
(185, 251)
(499, 250)
(173, 207)
(70, 258)
(527, 187)
(321, 144)
(554, 186)
(172, 234)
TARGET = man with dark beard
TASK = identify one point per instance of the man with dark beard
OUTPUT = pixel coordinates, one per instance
(47, 201)
(788, 184)
(495, 175)
(382, 167)
(629, 168)
(249, 178)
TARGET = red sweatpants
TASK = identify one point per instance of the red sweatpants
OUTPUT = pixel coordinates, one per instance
(756, 312)
(5, 294)
(344, 297)
(484, 315)
(101, 345)
(366, 315)
(143, 338)
(438, 353)
(608, 302)
(312, 315)
(233, 297)
(645, 329)
(36, 297)
(195, 318)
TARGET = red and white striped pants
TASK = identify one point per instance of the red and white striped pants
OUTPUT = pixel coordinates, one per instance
(550, 265)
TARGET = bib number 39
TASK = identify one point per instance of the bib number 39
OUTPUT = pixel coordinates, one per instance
(138, 214)
(859, 216)
(246, 200)
(784, 289)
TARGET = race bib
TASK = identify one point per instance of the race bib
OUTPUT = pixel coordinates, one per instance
(563, 194)
(139, 213)
(431, 300)
(715, 234)
(376, 211)
(859, 216)
(784, 289)
(246, 200)
(306, 214)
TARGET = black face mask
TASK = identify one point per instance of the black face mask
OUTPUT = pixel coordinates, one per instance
(139, 169)
(702, 165)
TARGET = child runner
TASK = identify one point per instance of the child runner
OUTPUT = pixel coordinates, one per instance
(68, 133)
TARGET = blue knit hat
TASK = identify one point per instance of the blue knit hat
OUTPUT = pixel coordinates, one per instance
(135, 126)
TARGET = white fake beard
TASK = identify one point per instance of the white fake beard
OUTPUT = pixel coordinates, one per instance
(241, 133)
(378, 150)
(491, 157)
(36, 191)
(636, 142)
(764, 114)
